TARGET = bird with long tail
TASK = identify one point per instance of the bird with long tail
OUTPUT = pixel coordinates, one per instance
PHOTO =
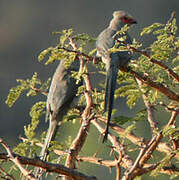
(113, 60)
(61, 96)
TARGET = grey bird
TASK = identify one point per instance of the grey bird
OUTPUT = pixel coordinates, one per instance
(61, 96)
(114, 60)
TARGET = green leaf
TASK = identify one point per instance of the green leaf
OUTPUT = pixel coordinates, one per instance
(36, 112)
(65, 35)
(44, 53)
(13, 95)
(92, 52)
(149, 29)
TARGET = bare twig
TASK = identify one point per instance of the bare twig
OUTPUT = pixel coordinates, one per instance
(98, 161)
(168, 108)
(39, 91)
(6, 174)
(150, 108)
(78, 53)
(78, 143)
(149, 167)
(172, 121)
(118, 166)
(16, 161)
(126, 160)
(156, 142)
(172, 118)
(118, 171)
(118, 129)
(129, 173)
(151, 149)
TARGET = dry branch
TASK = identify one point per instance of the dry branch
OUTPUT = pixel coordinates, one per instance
(39, 91)
(16, 161)
(79, 141)
(126, 160)
(158, 86)
(50, 167)
(162, 147)
(149, 107)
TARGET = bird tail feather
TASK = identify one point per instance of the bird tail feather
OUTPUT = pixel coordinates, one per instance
(53, 127)
(111, 79)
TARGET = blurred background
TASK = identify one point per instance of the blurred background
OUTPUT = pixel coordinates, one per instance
(26, 29)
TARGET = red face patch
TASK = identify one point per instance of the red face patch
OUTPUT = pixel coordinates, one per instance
(128, 20)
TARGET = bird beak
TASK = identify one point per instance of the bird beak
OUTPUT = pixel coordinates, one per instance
(132, 21)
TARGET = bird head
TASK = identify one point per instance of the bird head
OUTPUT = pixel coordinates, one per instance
(121, 18)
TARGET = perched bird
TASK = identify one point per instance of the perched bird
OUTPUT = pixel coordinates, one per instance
(114, 60)
(61, 94)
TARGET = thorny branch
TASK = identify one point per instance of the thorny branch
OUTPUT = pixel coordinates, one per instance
(150, 108)
(168, 108)
(162, 147)
(126, 160)
(147, 152)
(16, 161)
(50, 167)
(62, 170)
(80, 139)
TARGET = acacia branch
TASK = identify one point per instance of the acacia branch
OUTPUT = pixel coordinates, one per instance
(151, 149)
(172, 121)
(78, 53)
(168, 108)
(50, 167)
(62, 170)
(158, 86)
(16, 161)
(99, 161)
(129, 172)
(161, 64)
(162, 147)
(39, 91)
(126, 160)
(79, 141)
(150, 108)
(153, 146)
